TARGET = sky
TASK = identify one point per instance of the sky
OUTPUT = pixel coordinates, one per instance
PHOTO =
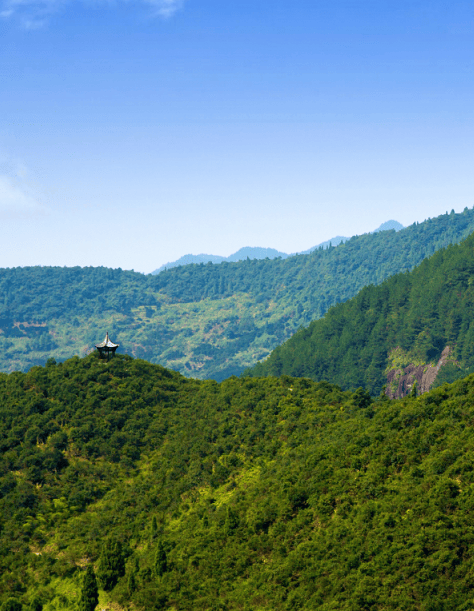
(133, 132)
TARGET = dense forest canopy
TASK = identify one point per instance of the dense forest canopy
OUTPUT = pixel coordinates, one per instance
(410, 319)
(275, 493)
(125, 485)
(207, 321)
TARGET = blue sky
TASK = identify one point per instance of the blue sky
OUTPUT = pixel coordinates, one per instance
(134, 132)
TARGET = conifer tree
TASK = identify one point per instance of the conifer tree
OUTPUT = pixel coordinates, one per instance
(111, 564)
(154, 528)
(90, 592)
(161, 561)
(132, 578)
(414, 390)
(132, 583)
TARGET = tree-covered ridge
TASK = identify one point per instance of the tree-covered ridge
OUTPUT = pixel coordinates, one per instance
(240, 255)
(410, 319)
(207, 321)
(274, 493)
(263, 253)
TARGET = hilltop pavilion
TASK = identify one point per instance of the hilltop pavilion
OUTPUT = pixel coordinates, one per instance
(106, 347)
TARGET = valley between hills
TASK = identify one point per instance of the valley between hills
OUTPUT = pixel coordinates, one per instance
(337, 473)
(205, 321)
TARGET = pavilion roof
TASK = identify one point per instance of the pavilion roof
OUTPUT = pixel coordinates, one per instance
(107, 343)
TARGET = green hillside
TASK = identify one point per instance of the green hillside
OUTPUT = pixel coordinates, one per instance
(258, 494)
(206, 321)
(411, 325)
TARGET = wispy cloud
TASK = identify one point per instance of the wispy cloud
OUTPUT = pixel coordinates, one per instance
(18, 198)
(165, 8)
(34, 14)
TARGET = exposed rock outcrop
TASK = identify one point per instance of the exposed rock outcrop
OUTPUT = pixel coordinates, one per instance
(400, 380)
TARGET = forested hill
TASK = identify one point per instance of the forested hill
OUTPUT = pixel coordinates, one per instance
(408, 328)
(274, 494)
(207, 321)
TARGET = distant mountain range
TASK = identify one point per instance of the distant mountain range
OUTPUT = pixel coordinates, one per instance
(206, 321)
(257, 252)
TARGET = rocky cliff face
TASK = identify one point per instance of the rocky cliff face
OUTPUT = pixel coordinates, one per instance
(400, 380)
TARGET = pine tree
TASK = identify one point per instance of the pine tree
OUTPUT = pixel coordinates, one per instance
(154, 528)
(90, 592)
(132, 583)
(111, 564)
(161, 561)
(132, 578)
